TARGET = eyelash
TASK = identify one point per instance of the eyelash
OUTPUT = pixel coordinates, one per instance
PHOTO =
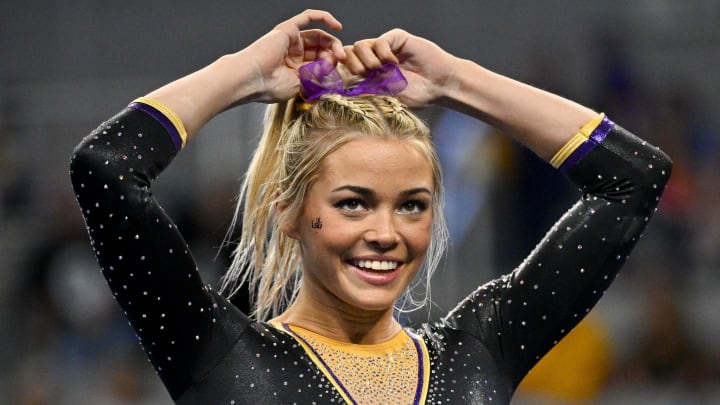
(342, 205)
(416, 206)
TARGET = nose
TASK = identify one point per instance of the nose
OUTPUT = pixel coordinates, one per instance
(382, 232)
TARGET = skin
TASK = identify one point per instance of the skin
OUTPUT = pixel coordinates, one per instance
(436, 77)
(266, 71)
(374, 199)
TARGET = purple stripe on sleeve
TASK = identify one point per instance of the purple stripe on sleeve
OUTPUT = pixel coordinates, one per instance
(163, 120)
(599, 134)
(596, 137)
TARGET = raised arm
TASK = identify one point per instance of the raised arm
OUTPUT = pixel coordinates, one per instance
(142, 255)
(542, 121)
(519, 317)
(265, 71)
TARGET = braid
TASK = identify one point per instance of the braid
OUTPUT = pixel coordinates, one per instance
(399, 119)
(396, 105)
(350, 103)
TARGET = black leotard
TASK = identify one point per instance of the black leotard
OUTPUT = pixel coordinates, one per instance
(207, 351)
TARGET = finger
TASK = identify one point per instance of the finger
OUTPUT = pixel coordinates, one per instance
(325, 54)
(339, 50)
(363, 50)
(311, 55)
(395, 39)
(319, 41)
(382, 50)
(310, 16)
(352, 62)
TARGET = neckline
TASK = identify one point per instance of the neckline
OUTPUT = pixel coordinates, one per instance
(373, 348)
(423, 358)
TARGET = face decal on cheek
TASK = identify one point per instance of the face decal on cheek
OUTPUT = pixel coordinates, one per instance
(316, 223)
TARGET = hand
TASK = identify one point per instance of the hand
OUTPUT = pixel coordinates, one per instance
(428, 68)
(278, 54)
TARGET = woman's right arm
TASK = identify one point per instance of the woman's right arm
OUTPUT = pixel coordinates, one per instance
(141, 253)
(265, 71)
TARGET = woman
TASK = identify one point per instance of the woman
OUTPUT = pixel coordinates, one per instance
(341, 213)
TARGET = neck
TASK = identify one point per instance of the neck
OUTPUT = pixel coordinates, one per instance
(341, 322)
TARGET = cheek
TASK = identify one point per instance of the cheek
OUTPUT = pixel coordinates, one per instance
(329, 233)
(339, 233)
(418, 236)
(423, 240)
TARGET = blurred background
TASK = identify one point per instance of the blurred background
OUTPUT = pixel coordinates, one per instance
(651, 65)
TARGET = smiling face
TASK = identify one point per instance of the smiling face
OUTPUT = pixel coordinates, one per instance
(366, 224)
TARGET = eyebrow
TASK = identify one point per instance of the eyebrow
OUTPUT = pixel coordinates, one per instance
(366, 192)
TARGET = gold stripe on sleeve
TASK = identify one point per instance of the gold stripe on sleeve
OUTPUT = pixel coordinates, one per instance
(169, 114)
(574, 142)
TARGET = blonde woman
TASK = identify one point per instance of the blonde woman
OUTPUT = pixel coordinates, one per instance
(341, 214)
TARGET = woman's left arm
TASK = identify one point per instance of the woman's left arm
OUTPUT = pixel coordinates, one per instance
(540, 120)
(621, 178)
(520, 316)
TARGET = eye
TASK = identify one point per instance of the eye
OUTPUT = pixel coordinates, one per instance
(413, 207)
(350, 205)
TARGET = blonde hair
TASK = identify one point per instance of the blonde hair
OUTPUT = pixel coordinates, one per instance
(293, 145)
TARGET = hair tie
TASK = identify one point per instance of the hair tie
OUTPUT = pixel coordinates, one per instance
(320, 77)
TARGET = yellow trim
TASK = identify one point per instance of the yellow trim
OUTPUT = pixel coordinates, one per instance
(568, 149)
(169, 114)
(373, 349)
(588, 128)
(384, 347)
(574, 142)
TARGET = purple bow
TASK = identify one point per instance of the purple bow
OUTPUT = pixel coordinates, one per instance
(320, 77)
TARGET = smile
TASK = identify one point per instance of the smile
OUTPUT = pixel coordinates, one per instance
(375, 264)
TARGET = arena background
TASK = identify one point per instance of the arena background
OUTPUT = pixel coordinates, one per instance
(652, 65)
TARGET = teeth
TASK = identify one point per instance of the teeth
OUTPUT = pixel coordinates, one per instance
(376, 264)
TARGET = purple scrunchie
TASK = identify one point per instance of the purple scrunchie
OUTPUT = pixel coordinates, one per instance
(320, 77)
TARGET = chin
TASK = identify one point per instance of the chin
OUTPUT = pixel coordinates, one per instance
(374, 304)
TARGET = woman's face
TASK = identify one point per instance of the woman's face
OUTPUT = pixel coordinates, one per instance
(366, 224)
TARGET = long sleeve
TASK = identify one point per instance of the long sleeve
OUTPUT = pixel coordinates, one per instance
(142, 255)
(519, 317)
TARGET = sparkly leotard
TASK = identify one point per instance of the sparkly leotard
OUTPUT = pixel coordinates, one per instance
(207, 351)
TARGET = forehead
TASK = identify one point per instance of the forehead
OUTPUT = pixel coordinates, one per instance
(387, 162)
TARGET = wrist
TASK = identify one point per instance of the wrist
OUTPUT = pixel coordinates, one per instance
(454, 91)
(237, 79)
(201, 95)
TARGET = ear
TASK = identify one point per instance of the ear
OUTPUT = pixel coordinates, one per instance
(289, 227)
